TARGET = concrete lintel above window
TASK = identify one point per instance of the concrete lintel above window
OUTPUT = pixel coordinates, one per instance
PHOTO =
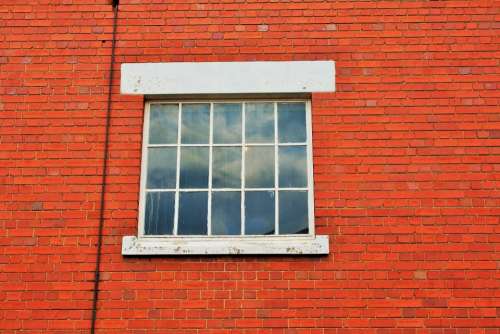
(284, 245)
(259, 77)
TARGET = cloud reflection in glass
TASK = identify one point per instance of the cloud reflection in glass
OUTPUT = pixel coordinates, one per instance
(292, 166)
(226, 171)
(227, 123)
(195, 123)
(259, 122)
(259, 167)
(163, 123)
(194, 167)
(226, 213)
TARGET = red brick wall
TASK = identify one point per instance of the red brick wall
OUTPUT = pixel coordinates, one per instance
(406, 157)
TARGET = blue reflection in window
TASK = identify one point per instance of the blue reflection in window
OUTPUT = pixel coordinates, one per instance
(162, 163)
(195, 123)
(194, 167)
(259, 212)
(259, 122)
(226, 213)
(259, 167)
(227, 123)
(293, 213)
(292, 166)
(226, 172)
(163, 123)
(192, 213)
(292, 122)
(159, 213)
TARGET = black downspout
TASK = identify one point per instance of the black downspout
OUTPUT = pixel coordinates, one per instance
(103, 175)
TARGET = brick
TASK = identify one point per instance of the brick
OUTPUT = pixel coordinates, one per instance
(405, 166)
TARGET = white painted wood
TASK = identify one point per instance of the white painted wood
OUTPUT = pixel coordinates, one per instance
(276, 172)
(224, 189)
(243, 157)
(225, 145)
(260, 77)
(291, 245)
(177, 171)
(210, 168)
(310, 166)
(144, 170)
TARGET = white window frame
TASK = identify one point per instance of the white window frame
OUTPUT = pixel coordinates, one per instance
(211, 145)
(226, 244)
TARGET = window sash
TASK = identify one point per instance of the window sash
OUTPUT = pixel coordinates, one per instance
(177, 190)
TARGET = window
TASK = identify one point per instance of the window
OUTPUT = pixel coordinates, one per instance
(227, 176)
(230, 168)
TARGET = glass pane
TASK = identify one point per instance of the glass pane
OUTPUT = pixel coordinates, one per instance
(195, 123)
(163, 123)
(292, 122)
(259, 167)
(226, 171)
(162, 163)
(192, 213)
(226, 213)
(227, 123)
(292, 166)
(259, 212)
(293, 214)
(194, 167)
(259, 123)
(159, 215)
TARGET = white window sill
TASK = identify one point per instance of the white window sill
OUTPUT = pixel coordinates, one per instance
(264, 245)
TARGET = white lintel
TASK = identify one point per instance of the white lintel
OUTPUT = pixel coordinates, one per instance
(250, 245)
(254, 77)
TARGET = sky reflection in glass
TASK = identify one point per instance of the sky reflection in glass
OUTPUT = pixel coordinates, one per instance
(159, 213)
(161, 167)
(259, 167)
(226, 172)
(292, 166)
(193, 213)
(259, 122)
(226, 213)
(259, 212)
(163, 123)
(293, 212)
(292, 122)
(195, 123)
(194, 167)
(227, 123)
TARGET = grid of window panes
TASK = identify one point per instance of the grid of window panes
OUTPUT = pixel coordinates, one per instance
(226, 169)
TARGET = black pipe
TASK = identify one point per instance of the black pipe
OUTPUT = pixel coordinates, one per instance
(103, 175)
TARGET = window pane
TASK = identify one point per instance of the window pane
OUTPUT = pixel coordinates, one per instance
(195, 123)
(226, 171)
(259, 123)
(194, 167)
(159, 215)
(227, 123)
(259, 167)
(292, 166)
(291, 122)
(192, 213)
(293, 214)
(259, 212)
(163, 123)
(162, 163)
(226, 213)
